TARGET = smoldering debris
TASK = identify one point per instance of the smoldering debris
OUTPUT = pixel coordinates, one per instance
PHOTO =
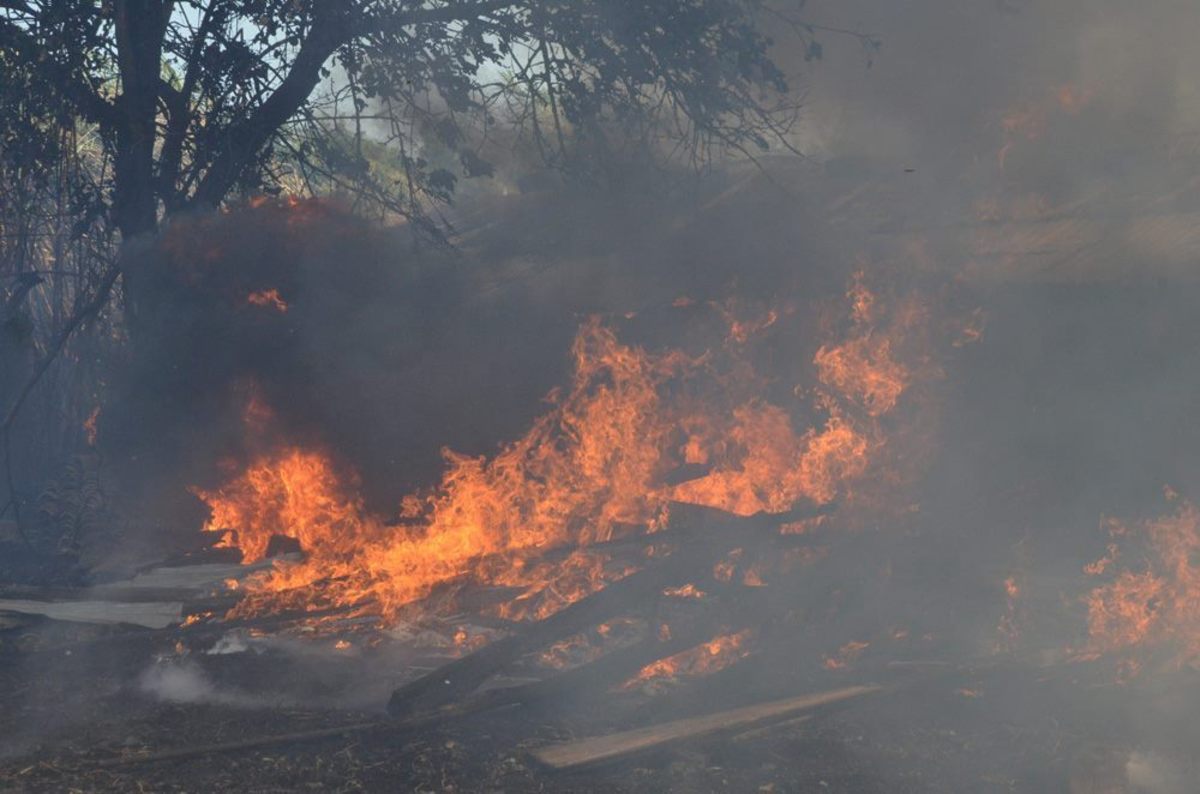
(185, 683)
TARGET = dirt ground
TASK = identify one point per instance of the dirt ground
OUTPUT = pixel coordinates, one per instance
(73, 704)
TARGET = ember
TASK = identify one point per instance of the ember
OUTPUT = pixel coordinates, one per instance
(846, 655)
(268, 298)
(704, 659)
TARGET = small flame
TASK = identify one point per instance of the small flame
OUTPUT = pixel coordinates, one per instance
(1007, 630)
(90, 426)
(971, 331)
(194, 618)
(581, 648)
(257, 414)
(1154, 607)
(268, 298)
(1029, 120)
(704, 659)
(846, 655)
(686, 591)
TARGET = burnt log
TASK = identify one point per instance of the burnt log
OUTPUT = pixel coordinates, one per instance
(597, 677)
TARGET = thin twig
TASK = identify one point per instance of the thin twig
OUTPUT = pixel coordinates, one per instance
(59, 342)
(56, 346)
(13, 502)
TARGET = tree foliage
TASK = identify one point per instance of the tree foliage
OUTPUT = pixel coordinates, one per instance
(196, 100)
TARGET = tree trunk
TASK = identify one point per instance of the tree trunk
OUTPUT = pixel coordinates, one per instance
(140, 25)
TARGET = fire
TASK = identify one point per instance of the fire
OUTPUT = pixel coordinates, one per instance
(971, 331)
(90, 426)
(767, 465)
(742, 330)
(592, 468)
(774, 467)
(1008, 630)
(588, 646)
(686, 591)
(704, 659)
(846, 655)
(195, 618)
(1153, 606)
(268, 298)
(550, 586)
(293, 492)
(1029, 120)
(536, 495)
(754, 578)
(864, 369)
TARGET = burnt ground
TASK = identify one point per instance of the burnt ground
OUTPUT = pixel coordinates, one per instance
(996, 729)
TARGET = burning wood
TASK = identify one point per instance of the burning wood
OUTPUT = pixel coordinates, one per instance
(703, 659)
(1154, 606)
(714, 536)
(606, 457)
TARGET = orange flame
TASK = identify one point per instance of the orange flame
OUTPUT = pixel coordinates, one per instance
(846, 655)
(90, 426)
(1008, 628)
(294, 493)
(268, 298)
(686, 591)
(864, 369)
(704, 659)
(1029, 120)
(1154, 608)
(590, 468)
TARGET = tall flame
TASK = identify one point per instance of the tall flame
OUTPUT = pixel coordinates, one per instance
(594, 465)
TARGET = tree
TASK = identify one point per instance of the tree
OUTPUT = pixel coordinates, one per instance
(194, 101)
(193, 98)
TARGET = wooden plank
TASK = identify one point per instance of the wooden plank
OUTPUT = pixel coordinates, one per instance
(602, 748)
(151, 615)
(179, 583)
(759, 731)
